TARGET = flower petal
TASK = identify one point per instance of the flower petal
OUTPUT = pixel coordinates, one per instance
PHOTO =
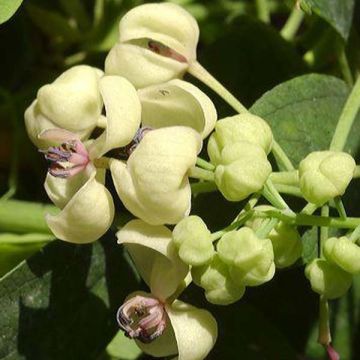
(36, 123)
(166, 23)
(80, 221)
(195, 330)
(177, 102)
(154, 255)
(153, 184)
(123, 115)
(73, 100)
(141, 66)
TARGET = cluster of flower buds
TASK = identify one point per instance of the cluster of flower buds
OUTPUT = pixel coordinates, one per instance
(138, 120)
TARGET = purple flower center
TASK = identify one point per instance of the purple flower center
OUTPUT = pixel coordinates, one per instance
(142, 318)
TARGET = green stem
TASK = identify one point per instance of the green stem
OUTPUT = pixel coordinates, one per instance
(292, 24)
(273, 196)
(205, 164)
(203, 187)
(347, 118)
(309, 209)
(183, 285)
(198, 71)
(340, 207)
(324, 230)
(324, 327)
(285, 177)
(263, 11)
(202, 174)
(24, 217)
(344, 66)
(288, 190)
(241, 219)
(265, 230)
(311, 220)
(281, 158)
(355, 236)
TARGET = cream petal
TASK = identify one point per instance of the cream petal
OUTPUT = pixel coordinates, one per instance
(166, 23)
(141, 66)
(73, 100)
(60, 190)
(177, 102)
(123, 115)
(36, 123)
(195, 330)
(80, 221)
(154, 184)
(154, 255)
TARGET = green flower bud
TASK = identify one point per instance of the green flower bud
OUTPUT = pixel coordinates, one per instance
(327, 279)
(285, 239)
(250, 258)
(193, 240)
(325, 175)
(343, 253)
(243, 127)
(217, 283)
(243, 170)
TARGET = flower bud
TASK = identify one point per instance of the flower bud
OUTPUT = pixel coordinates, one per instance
(343, 253)
(250, 258)
(285, 239)
(325, 175)
(327, 279)
(242, 127)
(71, 102)
(156, 44)
(215, 279)
(242, 171)
(193, 240)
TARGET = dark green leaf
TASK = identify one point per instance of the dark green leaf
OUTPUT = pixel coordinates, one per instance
(61, 304)
(250, 58)
(8, 9)
(338, 13)
(303, 113)
(14, 248)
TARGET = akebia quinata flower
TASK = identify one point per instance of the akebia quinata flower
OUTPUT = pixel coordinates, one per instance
(157, 42)
(160, 325)
(153, 184)
(74, 185)
(325, 175)
(72, 102)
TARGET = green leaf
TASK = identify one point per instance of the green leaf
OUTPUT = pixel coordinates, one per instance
(14, 248)
(123, 348)
(53, 24)
(338, 13)
(8, 9)
(303, 113)
(62, 302)
(250, 58)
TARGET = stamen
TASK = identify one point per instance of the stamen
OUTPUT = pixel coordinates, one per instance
(127, 150)
(142, 318)
(66, 160)
(164, 50)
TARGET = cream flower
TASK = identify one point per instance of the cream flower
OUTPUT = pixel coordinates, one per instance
(157, 42)
(165, 327)
(74, 185)
(153, 184)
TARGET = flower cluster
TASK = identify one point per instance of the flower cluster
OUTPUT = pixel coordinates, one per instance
(141, 122)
